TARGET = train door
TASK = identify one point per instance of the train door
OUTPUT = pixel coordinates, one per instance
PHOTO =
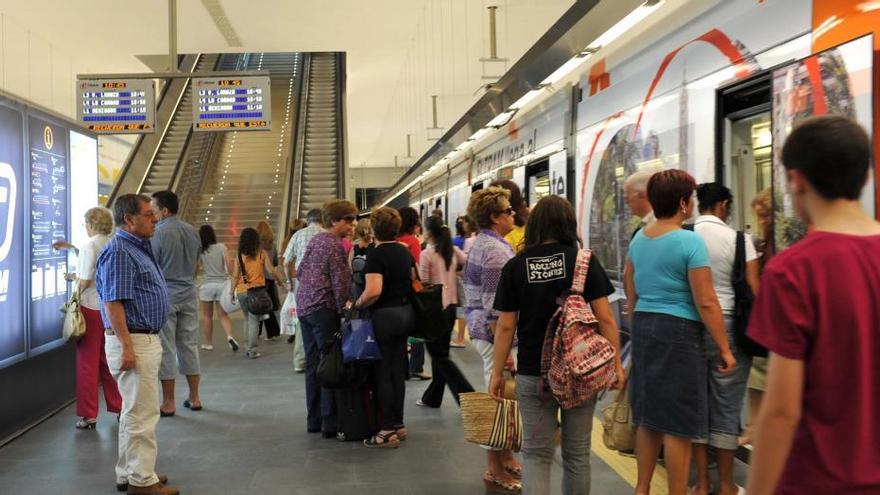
(537, 181)
(744, 154)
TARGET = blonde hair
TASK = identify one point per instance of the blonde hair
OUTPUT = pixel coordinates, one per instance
(100, 219)
(762, 203)
(363, 230)
(487, 202)
(267, 236)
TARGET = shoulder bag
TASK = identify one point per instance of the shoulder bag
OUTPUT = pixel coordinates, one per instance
(744, 299)
(428, 304)
(258, 300)
(74, 322)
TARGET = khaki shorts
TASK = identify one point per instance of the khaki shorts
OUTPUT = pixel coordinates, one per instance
(758, 374)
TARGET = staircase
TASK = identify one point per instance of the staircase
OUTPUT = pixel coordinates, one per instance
(247, 179)
(321, 135)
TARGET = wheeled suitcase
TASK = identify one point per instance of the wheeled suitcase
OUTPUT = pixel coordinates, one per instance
(356, 413)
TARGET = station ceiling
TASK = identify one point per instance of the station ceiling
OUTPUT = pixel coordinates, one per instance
(399, 52)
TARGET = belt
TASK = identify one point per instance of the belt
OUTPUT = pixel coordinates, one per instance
(110, 331)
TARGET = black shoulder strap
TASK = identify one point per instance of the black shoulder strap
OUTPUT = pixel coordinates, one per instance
(243, 272)
(688, 226)
(739, 257)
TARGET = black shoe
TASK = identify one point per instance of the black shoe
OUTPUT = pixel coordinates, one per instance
(291, 339)
(123, 487)
(233, 344)
(328, 434)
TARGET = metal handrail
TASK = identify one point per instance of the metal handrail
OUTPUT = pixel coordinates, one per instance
(294, 133)
(301, 127)
(342, 150)
(168, 125)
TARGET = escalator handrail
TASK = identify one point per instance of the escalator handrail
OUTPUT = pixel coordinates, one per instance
(341, 185)
(171, 119)
(294, 137)
(301, 128)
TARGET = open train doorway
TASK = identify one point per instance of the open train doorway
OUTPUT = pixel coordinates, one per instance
(745, 147)
(537, 181)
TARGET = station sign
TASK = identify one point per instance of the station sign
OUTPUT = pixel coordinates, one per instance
(116, 106)
(232, 104)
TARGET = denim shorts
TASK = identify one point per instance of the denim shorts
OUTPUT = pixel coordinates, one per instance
(726, 392)
(668, 387)
(211, 291)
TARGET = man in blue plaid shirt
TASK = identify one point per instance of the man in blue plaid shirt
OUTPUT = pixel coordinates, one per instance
(131, 286)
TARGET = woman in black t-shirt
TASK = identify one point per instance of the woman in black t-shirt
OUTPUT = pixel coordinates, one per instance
(526, 299)
(389, 276)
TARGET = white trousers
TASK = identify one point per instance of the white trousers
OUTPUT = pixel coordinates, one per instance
(139, 388)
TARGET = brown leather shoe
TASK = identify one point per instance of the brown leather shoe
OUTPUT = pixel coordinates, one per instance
(156, 489)
(122, 487)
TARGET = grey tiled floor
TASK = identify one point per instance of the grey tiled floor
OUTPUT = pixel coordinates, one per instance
(251, 438)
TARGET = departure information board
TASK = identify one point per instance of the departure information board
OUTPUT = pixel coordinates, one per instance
(121, 106)
(232, 104)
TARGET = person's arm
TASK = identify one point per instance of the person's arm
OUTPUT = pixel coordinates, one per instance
(753, 275)
(489, 276)
(459, 256)
(709, 308)
(425, 268)
(340, 277)
(82, 284)
(629, 288)
(776, 424)
(116, 288)
(61, 245)
(235, 275)
(608, 329)
(267, 264)
(372, 290)
(505, 328)
(116, 314)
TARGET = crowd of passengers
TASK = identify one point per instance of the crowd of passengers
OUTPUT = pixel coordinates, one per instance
(813, 404)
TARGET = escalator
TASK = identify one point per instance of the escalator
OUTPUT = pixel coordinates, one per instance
(320, 151)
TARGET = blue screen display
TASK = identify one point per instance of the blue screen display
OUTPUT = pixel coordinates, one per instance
(13, 183)
(49, 166)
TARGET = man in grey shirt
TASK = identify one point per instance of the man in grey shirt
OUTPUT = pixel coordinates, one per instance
(296, 248)
(176, 247)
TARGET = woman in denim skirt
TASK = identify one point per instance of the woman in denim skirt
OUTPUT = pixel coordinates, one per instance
(668, 281)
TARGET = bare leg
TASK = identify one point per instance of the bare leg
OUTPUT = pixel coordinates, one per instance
(167, 396)
(496, 466)
(193, 382)
(725, 471)
(510, 460)
(225, 321)
(207, 316)
(648, 444)
(701, 459)
(462, 328)
(677, 457)
(755, 397)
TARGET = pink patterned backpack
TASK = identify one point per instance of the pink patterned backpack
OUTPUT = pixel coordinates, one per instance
(576, 361)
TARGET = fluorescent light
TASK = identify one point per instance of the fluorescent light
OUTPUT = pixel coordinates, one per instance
(827, 25)
(565, 69)
(501, 119)
(868, 6)
(479, 134)
(526, 99)
(624, 25)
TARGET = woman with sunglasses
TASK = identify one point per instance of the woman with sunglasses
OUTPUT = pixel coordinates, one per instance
(324, 291)
(491, 209)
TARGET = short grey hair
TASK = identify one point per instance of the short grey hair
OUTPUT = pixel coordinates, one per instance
(128, 204)
(639, 180)
(315, 215)
(100, 219)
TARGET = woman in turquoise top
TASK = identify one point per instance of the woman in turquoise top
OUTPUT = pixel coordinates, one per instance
(668, 281)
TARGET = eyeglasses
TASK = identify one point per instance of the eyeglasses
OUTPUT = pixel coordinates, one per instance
(508, 211)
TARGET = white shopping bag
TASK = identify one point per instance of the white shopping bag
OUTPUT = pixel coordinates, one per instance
(289, 321)
(227, 301)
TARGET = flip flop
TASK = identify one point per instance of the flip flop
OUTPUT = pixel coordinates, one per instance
(187, 404)
(166, 414)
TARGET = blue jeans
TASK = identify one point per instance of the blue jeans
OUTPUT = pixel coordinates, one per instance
(726, 392)
(539, 409)
(317, 329)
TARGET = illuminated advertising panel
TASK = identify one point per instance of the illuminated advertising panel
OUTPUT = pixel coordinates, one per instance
(119, 106)
(12, 265)
(49, 218)
(240, 104)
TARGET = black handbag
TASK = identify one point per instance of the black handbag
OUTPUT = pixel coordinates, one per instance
(744, 299)
(258, 300)
(333, 372)
(428, 304)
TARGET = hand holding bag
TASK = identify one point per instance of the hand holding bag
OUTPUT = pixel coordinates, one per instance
(74, 322)
(259, 302)
(489, 422)
(228, 301)
(358, 339)
(618, 432)
(288, 315)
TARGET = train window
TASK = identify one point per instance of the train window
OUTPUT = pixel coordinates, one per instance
(537, 181)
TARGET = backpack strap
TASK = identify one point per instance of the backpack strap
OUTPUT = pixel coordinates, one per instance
(581, 265)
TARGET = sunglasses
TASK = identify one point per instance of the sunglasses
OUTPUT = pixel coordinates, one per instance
(507, 211)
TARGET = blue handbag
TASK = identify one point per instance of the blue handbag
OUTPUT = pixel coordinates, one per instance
(358, 339)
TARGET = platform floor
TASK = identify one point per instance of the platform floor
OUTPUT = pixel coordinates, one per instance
(251, 438)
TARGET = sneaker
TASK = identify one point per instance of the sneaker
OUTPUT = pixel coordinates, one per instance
(299, 370)
(253, 354)
(207, 347)
(233, 344)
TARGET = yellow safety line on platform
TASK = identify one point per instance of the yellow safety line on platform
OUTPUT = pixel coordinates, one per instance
(624, 466)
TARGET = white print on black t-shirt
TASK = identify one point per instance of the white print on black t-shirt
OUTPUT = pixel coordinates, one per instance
(545, 268)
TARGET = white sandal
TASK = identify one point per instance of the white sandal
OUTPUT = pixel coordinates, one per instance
(207, 347)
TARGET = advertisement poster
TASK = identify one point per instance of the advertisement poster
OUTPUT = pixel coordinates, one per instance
(12, 341)
(834, 82)
(48, 205)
